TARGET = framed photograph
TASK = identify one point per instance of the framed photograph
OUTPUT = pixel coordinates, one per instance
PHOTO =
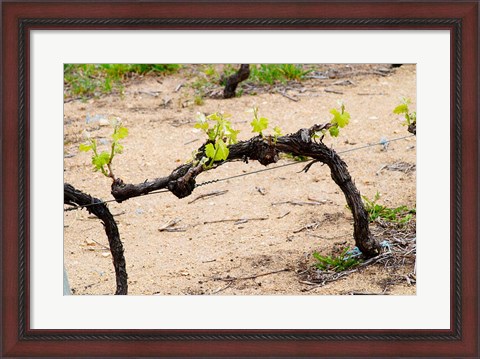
(228, 276)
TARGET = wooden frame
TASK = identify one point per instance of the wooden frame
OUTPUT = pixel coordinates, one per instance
(461, 19)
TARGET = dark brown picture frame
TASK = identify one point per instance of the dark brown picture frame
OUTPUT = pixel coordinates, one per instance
(460, 18)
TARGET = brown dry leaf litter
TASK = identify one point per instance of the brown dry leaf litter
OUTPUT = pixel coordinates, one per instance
(254, 235)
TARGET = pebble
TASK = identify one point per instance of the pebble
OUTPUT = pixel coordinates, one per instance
(104, 122)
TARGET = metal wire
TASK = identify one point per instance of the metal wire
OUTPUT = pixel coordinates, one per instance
(296, 162)
(383, 143)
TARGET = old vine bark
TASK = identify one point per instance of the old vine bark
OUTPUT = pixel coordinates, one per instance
(412, 128)
(75, 197)
(233, 80)
(181, 181)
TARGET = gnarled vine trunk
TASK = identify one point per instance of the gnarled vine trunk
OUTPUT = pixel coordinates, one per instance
(301, 144)
(181, 181)
(233, 80)
(96, 207)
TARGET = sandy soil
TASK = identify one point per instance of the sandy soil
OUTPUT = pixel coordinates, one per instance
(235, 257)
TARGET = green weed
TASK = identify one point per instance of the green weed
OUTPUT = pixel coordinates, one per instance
(338, 263)
(228, 70)
(204, 80)
(87, 80)
(272, 73)
(200, 84)
(198, 100)
(400, 215)
(210, 71)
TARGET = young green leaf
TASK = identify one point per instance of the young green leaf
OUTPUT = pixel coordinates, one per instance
(211, 134)
(341, 119)
(402, 108)
(217, 152)
(221, 151)
(118, 148)
(210, 150)
(84, 147)
(215, 116)
(277, 131)
(202, 126)
(120, 133)
(202, 122)
(232, 135)
(101, 160)
(259, 124)
(334, 131)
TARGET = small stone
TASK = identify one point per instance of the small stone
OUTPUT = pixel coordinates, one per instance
(104, 122)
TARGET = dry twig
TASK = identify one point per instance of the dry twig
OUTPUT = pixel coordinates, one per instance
(236, 220)
(283, 215)
(333, 91)
(168, 227)
(210, 194)
(222, 288)
(299, 203)
(232, 279)
(284, 94)
(313, 225)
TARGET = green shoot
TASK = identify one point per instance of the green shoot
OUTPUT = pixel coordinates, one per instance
(403, 109)
(102, 161)
(220, 135)
(277, 132)
(340, 119)
(259, 123)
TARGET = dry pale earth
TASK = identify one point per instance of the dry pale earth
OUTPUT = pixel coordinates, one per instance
(266, 257)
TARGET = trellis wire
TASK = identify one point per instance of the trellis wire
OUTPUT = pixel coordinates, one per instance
(249, 173)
